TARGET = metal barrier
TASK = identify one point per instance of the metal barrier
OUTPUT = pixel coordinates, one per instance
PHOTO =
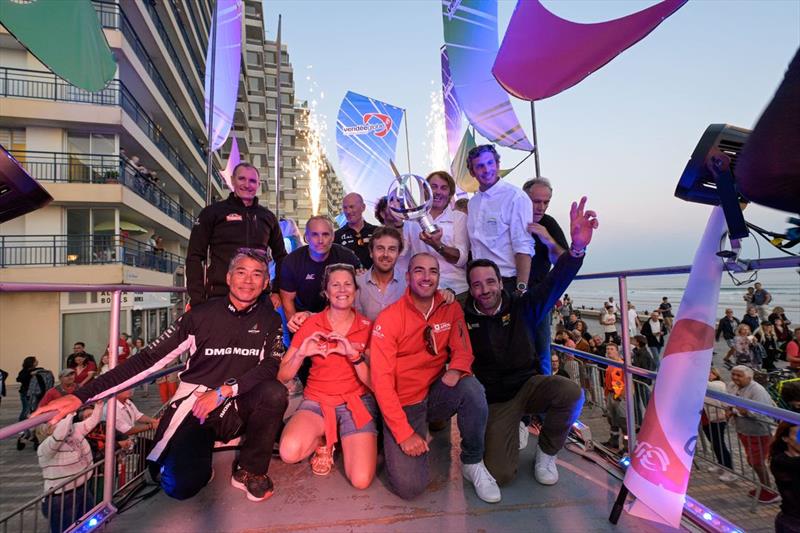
(102, 508)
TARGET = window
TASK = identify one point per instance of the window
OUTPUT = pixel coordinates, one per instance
(256, 135)
(271, 81)
(287, 140)
(255, 84)
(13, 139)
(256, 110)
(91, 157)
(287, 99)
(286, 78)
(254, 58)
(272, 125)
(272, 103)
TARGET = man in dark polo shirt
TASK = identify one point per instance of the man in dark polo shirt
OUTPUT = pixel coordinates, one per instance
(549, 243)
(301, 270)
(356, 233)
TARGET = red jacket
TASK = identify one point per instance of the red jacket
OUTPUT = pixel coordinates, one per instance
(401, 367)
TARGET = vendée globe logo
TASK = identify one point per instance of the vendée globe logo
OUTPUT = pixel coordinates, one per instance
(379, 127)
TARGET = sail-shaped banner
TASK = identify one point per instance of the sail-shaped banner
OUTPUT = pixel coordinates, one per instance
(564, 52)
(227, 63)
(366, 139)
(452, 111)
(471, 38)
(65, 36)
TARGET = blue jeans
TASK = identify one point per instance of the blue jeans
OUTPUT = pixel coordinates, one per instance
(409, 476)
(26, 408)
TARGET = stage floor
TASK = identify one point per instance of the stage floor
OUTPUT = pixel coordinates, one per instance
(581, 501)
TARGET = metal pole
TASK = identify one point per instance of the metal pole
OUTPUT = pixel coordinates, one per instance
(210, 154)
(408, 149)
(110, 466)
(630, 397)
(535, 141)
(278, 129)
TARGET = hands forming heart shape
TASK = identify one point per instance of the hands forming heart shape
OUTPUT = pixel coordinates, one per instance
(319, 343)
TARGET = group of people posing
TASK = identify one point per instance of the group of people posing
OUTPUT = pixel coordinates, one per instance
(394, 331)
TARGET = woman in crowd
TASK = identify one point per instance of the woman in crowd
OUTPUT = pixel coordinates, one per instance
(614, 390)
(104, 363)
(782, 332)
(85, 370)
(29, 365)
(766, 336)
(714, 420)
(785, 466)
(778, 313)
(744, 348)
(337, 395)
(583, 329)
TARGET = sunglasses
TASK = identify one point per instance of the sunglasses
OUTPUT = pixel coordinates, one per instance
(255, 253)
(430, 341)
(339, 266)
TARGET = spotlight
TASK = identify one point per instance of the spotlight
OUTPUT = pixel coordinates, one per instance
(625, 462)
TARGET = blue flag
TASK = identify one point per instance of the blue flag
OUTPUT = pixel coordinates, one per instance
(366, 139)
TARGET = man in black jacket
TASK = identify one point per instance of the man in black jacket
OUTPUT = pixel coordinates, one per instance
(229, 387)
(224, 227)
(501, 328)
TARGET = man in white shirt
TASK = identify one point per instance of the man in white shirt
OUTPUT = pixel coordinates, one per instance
(130, 420)
(497, 220)
(450, 242)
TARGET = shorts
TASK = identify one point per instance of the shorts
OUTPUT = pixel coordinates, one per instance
(756, 448)
(344, 419)
(729, 342)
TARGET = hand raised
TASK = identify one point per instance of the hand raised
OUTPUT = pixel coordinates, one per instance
(581, 224)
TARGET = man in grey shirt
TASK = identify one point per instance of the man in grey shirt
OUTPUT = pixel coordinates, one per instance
(754, 429)
(382, 285)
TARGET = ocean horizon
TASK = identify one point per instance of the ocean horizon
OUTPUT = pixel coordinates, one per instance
(646, 292)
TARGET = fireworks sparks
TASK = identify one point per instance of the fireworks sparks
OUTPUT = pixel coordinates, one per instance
(315, 140)
(436, 152)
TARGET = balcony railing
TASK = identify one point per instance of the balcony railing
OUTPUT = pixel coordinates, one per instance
(64, 167)
(95, 249)
(112, 16)
(41, 85)
(165, 38)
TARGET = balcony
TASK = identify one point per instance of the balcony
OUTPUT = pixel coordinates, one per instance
(22, 83)
(165, 38)
(96, 249)
(60, 167)
(113, 17)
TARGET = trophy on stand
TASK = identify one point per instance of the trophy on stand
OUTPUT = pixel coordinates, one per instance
(410, 198)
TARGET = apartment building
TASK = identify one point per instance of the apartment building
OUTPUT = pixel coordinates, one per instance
(126, 168)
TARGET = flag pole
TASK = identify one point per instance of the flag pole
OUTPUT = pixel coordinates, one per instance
(535, 141)
(210, 151)
(408, 149)
(278, 129)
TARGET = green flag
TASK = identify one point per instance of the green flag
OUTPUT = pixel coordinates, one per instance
(65, 35)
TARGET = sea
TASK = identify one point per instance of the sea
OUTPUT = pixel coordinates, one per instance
(646, 292)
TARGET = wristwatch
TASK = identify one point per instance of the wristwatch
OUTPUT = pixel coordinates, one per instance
(360, 359)
(576, 253)
(440, 248)
(522, 286)
(233, 384)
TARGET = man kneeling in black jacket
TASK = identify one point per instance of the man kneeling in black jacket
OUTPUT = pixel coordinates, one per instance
(229, 387)
(501, 328)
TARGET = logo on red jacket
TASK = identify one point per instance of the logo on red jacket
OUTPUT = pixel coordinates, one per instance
(233, 217)
(376, 123)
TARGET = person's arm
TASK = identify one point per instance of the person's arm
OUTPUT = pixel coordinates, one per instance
(383, 346)
(278, 248)
(461, 356)
(434, 240)
(84, 427)
(521, 240)
(267, 368)
(287, 300)
(197, 255)
(793, 353)
(288, 288)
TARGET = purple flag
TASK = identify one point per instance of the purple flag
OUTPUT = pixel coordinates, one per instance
(452, 111)
(225, 74)
(543, 54)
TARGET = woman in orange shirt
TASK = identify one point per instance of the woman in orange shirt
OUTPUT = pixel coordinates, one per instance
(337, 398)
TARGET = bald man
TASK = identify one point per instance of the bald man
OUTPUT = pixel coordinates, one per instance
(356, 234)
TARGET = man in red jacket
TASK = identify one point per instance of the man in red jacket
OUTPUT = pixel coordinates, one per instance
(413, 340)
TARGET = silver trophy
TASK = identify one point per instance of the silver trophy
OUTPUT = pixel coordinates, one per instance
(410, 198)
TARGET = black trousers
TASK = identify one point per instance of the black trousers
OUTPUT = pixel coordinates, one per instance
(258, 415)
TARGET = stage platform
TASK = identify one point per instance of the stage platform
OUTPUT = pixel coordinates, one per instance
(581, 501)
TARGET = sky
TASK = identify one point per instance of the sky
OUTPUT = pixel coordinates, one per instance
(621, 137)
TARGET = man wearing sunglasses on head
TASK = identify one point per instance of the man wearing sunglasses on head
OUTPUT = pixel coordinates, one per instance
(502, 328)
(229, 387)
(225, 226)
(421, 361)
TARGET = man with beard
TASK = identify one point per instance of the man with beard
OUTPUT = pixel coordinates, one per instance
(450, 242)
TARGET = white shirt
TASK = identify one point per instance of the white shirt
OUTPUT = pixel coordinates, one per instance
(127, 415)
(497, 223)
(454, 234)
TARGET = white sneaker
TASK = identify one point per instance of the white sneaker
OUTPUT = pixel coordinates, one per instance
(485, 485)
(713, 469)
(545, 470)
(728, 477)
(524, 435)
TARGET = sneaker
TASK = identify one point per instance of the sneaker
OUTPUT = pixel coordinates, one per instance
(485, 485)
(713, 469)
(728, 477)
(545, 470)
(524, 435)
(257, 487)
(768, 496)
(322, 460)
